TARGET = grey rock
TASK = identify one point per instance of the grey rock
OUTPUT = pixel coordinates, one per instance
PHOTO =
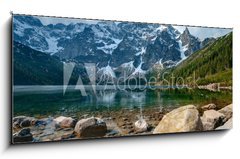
(183, 119)
(24, 135)
(211, 119)
(65, 122)
(192, 43)
(227, 125)
(23, 121)
(90, 127)
(141, 125)
(227, 111)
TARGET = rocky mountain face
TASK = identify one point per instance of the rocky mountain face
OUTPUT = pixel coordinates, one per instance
(207, 41)
(190, 43)
(116, 48)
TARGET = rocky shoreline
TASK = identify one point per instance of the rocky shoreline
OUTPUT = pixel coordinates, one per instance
(122, 123)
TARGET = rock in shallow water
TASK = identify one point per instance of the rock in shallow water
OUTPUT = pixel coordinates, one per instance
(90, 127)
(212, 119)
(183, 119)
(141, 126)
(65, 122)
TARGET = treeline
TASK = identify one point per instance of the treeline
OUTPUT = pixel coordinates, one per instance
(212, 64)
(31, 67)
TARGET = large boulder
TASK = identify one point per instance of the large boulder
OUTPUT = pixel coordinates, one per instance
(183, 119)
(141, 125)
(24, 135)
(209, 107)
(90, 127)
(65, 122)
(23, 121)
(212, 119)
(227, 125)
(227, 111)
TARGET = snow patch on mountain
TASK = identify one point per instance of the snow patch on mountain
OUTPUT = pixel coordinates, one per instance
(53, 45)
(78, 29)
(159, 63)
(143, 50)
(108, 71)
(182, 50)
(185, 47)
(161, 28)
(109, 48)
(20, 27)
(139, 70)
(128, 64)
(132, 40)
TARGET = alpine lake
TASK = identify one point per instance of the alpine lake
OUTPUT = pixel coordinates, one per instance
(45, 101)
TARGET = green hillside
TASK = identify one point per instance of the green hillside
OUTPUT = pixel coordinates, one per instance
(212, 64)
(31, 67)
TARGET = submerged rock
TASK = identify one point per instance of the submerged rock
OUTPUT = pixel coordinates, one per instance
(44, 121)
(65, 122)
(212, 119)
(141, 125)
(90, 127)
(41, 122)
(183, 119)
(23, 135)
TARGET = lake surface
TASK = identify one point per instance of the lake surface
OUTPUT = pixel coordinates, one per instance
(51, 101)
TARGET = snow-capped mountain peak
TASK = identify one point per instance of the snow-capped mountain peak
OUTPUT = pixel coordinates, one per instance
(115, 46)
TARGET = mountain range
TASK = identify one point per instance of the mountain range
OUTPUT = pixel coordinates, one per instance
(117, 48)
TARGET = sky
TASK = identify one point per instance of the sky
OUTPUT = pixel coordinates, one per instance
(204, 32)
(66, 21)
(200, 32)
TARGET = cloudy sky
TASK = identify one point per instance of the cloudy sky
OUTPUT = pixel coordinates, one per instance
(200, 32)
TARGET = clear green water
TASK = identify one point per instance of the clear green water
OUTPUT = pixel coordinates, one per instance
(54, 103)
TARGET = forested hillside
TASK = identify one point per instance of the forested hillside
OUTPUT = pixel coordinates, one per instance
(212, 64)
(33, 67)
